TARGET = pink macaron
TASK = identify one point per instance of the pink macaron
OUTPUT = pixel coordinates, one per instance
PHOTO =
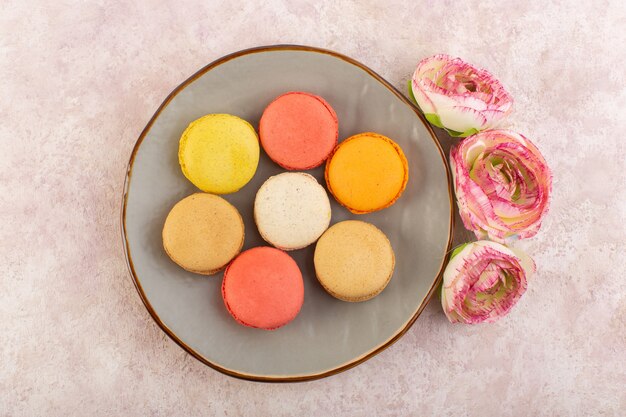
(263, 288)
(298, 130)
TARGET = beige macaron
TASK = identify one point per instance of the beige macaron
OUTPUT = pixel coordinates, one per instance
(291, 210)
(354, 260)
(203, 233)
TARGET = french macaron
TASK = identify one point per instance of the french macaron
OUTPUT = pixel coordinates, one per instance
(353, 260)
(367, 172)
(203, 233)
(291, 210)
(219, 153)
(298, 130)
(263, 288)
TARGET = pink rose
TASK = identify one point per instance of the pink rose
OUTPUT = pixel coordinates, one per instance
(483, 281)
(457, 96)
(502, 185)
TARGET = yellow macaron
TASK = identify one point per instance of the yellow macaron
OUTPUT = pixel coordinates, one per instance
(353, 260)
(219, 153)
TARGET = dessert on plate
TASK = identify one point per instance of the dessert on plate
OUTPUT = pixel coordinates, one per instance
(203, 233)
(291, 210)
(367, 172)
(298, 130)
(353, 260)
(219, 153)
(263, 288)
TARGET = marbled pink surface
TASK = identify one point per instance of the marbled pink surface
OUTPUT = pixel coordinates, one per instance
(78, 82)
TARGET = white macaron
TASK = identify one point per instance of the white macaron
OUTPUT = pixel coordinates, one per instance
(291, 210)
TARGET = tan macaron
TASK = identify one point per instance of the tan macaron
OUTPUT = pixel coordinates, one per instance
(354, 260)
(203, 233)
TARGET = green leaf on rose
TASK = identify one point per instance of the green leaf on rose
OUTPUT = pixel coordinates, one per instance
(458, 249)
(433, 119)
(465, 134)
(411, 96)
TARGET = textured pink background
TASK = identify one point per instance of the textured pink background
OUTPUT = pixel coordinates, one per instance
(78, 82)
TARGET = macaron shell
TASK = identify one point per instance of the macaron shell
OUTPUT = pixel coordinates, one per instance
(367, 172)
(203, 233)
(263, 288)
(298, 130)
(354, 261)
(219, 153)
(291, 210)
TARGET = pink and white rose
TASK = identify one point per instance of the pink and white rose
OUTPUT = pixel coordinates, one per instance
(457, 96)
(483, 281)
(502, 185)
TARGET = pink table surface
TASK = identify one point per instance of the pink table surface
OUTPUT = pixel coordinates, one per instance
(78, 82)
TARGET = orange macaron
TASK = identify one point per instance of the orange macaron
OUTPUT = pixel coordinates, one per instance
(367, 172)
(298, 130)
(263, 288)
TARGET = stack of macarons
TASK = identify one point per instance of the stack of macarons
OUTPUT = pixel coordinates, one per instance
(263, 287)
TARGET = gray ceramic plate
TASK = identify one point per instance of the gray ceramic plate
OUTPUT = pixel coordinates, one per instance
(328, 335)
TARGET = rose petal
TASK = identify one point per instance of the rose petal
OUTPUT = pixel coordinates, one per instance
(425, 104)
(461, 119)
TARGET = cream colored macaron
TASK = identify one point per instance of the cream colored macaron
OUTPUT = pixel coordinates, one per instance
(291, 210)
(354, 260)
(203, 233)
